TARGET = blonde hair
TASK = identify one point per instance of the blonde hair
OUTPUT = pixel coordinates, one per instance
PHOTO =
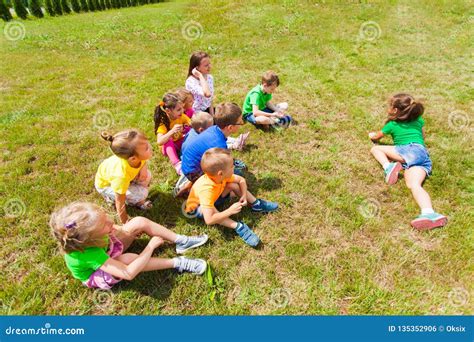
(183, 94)
(269, 78)
(216, 159)
(73, 226)
(201, 120)
(124, 143)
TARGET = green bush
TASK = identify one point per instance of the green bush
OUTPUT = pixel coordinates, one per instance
(84, 6)
(76, 7)
(35, 8)
(49, 7)
(20, 9)
(65, 7)
(5, 12)
(92, 5)
(57, 7)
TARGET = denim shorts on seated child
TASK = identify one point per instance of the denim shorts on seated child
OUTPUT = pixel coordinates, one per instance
(219, 202)
(415, 155)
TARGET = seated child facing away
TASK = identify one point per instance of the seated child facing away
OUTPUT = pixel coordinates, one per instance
(187, 99)
(124, 177)
(227, 119)
(171, 125)
(257, 108)
(405, 125)
(93, 246)
(216, 185)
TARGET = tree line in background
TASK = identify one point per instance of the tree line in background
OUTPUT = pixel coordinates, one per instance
(23, 8)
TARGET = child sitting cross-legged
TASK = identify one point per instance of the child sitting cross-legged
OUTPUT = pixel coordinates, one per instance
(218, 184)
(257, 108)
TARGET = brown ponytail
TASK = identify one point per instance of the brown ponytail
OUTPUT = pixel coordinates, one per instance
(170, 101)
(123, 144)
(407, 108)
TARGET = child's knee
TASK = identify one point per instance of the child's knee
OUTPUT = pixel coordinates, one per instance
(374, 149)
(136, 225)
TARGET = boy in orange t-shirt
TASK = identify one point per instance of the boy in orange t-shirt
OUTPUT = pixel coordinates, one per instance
(216, 185)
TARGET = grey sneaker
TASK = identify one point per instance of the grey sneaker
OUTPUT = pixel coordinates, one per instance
(182, 186)
(196, 266)
(192, 242)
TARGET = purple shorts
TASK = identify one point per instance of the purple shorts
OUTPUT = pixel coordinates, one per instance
(103, 280)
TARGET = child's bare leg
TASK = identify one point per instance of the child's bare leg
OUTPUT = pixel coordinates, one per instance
(154, 264)
(234, 188)
(385, 154)
(264, 120)
(139, 225)
(414, 178)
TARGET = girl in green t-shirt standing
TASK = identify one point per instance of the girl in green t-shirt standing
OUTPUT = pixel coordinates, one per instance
(405, 125)
(93, 246)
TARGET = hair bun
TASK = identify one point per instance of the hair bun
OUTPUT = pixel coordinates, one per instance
(106, 136)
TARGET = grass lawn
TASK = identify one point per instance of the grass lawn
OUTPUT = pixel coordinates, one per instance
(341, 243)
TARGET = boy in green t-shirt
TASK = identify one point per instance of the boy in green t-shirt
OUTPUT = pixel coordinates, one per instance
(258, 109)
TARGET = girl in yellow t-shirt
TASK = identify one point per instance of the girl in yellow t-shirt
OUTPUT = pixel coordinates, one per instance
(124, 177)
(171, 125)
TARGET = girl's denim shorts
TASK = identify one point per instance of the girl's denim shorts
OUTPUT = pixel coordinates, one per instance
(415, 155)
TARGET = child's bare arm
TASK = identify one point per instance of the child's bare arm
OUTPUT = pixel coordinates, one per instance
(423, 132)
(258, 112)
(243, 188)
(120, 207)
(120, 270)
(214, 216)
(271, 106)
(162, 139)
(375, 136)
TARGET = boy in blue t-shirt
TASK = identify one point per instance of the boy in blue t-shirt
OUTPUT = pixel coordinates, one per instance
(227, 119)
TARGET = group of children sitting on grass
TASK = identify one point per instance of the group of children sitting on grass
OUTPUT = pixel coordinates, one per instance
(196, 138)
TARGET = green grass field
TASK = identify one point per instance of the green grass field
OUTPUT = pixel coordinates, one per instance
(341, 243)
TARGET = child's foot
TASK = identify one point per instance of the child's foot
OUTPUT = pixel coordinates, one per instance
(177, 167)
(283, 106)
(182, 186)
(391, 172)
(247, 234)
(263, 206)
(240, 141)
(191, 242)
(429, 221)
(196, 266)
(145, 205)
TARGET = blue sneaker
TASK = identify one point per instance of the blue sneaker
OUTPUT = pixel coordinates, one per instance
(247, 234)
(192, 242)
(391, 172)
(429, 221)
(263, 206)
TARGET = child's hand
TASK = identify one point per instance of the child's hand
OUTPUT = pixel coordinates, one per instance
(156, 242)
(196, 73)
(177, 129)
(243, 200)
(373, 136)
(235, 208)
(279, 114)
